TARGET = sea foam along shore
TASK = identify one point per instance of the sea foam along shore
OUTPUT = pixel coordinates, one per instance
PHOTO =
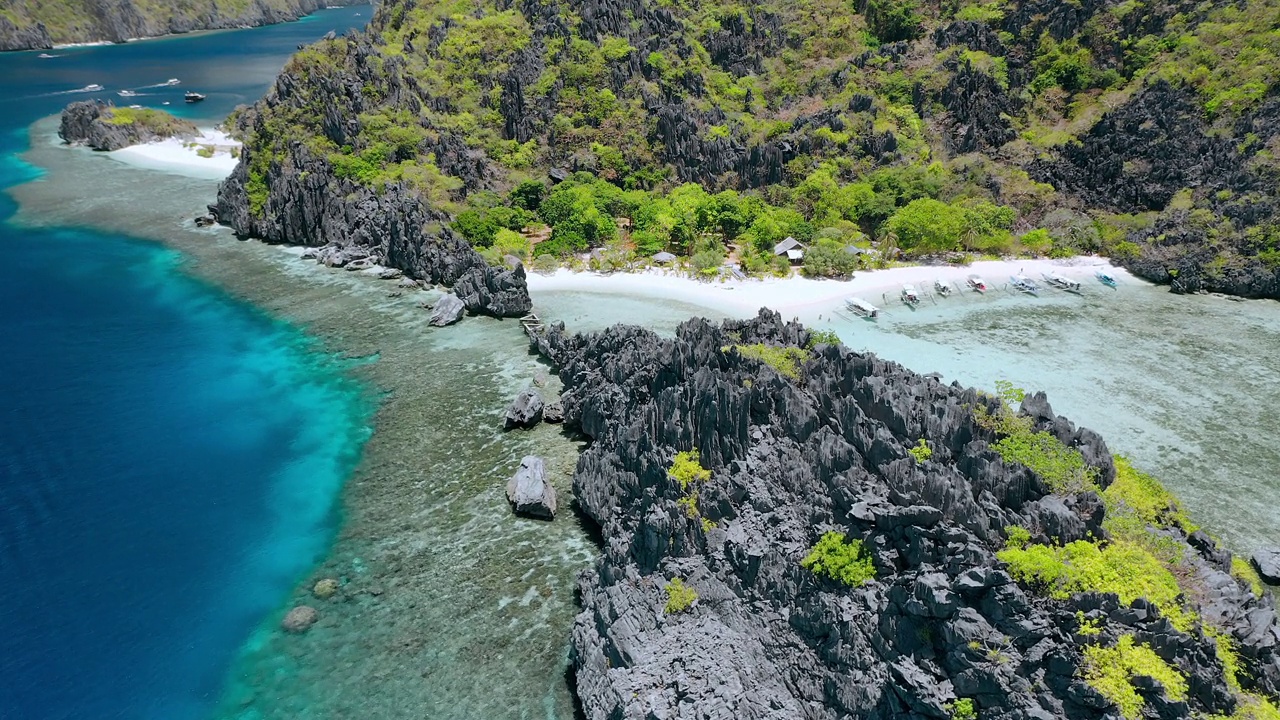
(804, 296)
(182, 156)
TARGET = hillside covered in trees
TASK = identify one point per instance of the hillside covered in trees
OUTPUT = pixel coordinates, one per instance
(35, 24)
(1141, 130)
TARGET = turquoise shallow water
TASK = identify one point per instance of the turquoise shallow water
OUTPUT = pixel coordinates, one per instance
(170, 458)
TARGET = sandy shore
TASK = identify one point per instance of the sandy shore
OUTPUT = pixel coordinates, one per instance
(800, 295)
(182, 157)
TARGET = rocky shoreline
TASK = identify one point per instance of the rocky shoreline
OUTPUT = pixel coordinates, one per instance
(94, 123)
(119, 22)
(943, 621)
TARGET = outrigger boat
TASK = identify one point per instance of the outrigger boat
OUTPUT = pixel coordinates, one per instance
(1062, 283)
(942, 286)
(977, 284)
(862, 308)
(1022, 283)
(909, 296)
(1105, 278)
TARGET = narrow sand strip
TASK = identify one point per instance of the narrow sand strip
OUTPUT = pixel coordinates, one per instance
(182, 157)
(800, 295)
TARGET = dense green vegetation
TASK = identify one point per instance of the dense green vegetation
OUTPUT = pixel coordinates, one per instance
(158, 122)
(721, 128)
(844, 561)
(680, 597)
(786, 360)
(963, 709)
(70, 21)
(921, 451)
(1111, 670)
(1063, 468)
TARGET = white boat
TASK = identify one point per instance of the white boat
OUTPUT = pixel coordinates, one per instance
(127, 93)
(1061, 282)
(1021, 283)
(193, 97)
(909, 295)
(172, 81)
(91, 88)
(976, 283)
(862, 308)
(46, 56)
(942, 286)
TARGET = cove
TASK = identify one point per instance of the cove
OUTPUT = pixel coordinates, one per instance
(170, 457)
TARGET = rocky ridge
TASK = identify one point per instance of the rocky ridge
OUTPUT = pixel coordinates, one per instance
(36, 25)
(88, 122)
(301, 200)
(942, 621)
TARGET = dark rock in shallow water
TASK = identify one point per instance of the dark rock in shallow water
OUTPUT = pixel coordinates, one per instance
(529, 492)
(86, 123)
(942, 619)
(525, 411)
(300, 619)
(447, 311)
(553, 413)
(1267, 562)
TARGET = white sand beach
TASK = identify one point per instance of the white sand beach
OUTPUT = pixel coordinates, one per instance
(803, 296)
(182, 157)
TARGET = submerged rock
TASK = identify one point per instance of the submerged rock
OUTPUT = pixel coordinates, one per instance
(447, 311)
(325, 588)
(529, 492)
(525, 411)
(300, 619)
(1267, 562)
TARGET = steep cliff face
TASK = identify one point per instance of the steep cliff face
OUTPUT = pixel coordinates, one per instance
(39, 24)
(298, 197)
(942, 625)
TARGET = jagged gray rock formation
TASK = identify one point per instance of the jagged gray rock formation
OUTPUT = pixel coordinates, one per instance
(1267, 562)
(447, 311)
(525, 411)
(529, 492)
(83, 123)
(790, 459)
(78, 21)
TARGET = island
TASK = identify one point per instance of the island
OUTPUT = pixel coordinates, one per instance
(106, 127)
(48, 23)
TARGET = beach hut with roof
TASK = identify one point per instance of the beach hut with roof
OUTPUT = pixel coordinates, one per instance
(791, 248)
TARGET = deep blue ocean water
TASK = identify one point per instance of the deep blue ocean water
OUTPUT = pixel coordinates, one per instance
(170, 458)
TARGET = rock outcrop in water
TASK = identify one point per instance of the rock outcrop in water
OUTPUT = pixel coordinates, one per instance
(943, 621)
(105, 127)
(40, 24)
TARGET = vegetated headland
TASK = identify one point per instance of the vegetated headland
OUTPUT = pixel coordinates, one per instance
(716, 132)
(44, 24)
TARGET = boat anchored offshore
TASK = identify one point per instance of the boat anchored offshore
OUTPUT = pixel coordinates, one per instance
(909, 295)
(1062, 283)
(862, 308)
(1021, 283)
(976, 284)
(943, 287)
(193, 97)
(1105, 278)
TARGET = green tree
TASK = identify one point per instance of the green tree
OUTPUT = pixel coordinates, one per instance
(927, 226)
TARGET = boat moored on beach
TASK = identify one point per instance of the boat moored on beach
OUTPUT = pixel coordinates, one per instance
(1105, 278)
(1061, 282)
(1022, 283)
(862, 308)
(976, 284)
(943, 287)
(909, 295)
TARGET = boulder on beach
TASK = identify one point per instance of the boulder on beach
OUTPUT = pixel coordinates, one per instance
(529, 492)
(525, 411)
(448, 310)
(1267, 562)
(300, 619)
